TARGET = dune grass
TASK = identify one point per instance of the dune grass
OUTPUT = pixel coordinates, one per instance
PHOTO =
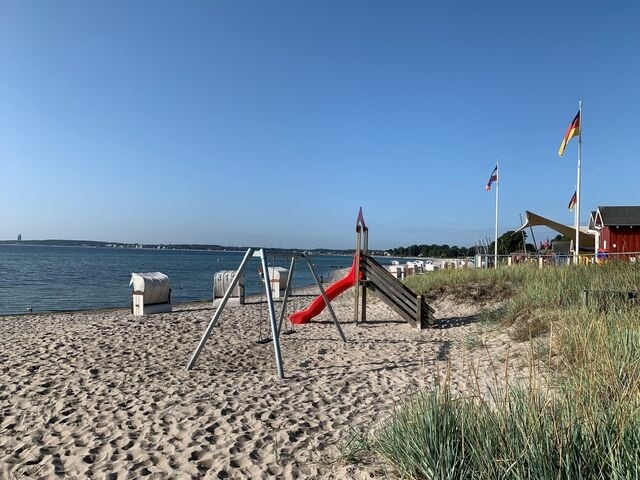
(536, 297)
(586, 424)
(526, 435)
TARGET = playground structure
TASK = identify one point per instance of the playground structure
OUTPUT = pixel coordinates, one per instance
(365, 273)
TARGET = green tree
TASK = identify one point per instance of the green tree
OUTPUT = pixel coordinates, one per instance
(508, 242)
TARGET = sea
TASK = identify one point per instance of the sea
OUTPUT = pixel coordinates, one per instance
(49, 278)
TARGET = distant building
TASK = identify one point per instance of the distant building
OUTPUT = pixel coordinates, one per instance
(618, 229)
(19, 237)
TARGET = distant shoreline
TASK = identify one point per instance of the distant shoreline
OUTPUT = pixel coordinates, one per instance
(162, 246)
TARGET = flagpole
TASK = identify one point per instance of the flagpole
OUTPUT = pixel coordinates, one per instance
(495, 255)
(577, 218)
(574, 208)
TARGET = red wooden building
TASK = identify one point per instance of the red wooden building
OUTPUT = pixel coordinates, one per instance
(617, 230)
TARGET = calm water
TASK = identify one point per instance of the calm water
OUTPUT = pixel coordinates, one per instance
(74, 278)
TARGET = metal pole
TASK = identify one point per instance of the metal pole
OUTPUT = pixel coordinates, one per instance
(287, 290)
(577, 252)
(495, 255)
(575, 228)
(218, 313)
(535, 244)
(327, 302)
(272, 314)
(524, 237)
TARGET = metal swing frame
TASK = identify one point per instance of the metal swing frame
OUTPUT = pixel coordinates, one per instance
(275, 326)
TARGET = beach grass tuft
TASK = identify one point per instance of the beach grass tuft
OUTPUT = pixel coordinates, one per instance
(583, 421)
(520, 434)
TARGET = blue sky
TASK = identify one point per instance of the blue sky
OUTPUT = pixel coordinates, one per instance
(271, 123)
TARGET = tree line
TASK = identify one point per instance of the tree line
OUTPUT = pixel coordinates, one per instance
(433, 251)
(509, 242)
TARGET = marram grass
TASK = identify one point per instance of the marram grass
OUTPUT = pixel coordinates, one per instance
(522, 435)
(586, 424)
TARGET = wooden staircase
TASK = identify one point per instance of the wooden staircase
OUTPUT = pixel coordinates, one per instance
(413, 308)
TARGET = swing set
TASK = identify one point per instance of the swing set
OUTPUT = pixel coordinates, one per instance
(276, 326)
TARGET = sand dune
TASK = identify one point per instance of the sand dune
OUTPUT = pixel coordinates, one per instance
(104, 394)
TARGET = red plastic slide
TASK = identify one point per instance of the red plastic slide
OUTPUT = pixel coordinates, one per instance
(332, 291)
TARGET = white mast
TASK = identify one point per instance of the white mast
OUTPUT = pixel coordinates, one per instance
(577, 217)
(495, 254)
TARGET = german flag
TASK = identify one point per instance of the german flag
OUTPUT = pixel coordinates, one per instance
(572, 131)
(573, 201)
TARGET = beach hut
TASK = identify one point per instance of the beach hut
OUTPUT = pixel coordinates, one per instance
(151, 293)
(618, 230)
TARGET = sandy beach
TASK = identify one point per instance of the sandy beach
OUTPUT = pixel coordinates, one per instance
(104, 394)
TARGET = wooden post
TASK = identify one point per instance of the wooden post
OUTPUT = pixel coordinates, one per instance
(585, 298)
(363, 317)
(419, 312)
(357, 275)
(361, 228)
(365, 231)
